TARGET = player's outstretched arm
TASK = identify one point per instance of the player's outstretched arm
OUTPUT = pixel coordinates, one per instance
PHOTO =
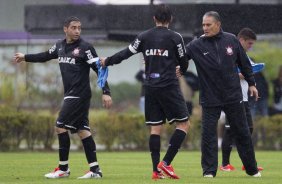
(19, 57)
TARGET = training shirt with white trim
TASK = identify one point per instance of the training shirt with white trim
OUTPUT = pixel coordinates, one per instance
(163, 49)
(75, 60)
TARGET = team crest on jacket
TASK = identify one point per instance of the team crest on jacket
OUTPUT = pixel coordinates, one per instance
(75, 52)
(229, 50)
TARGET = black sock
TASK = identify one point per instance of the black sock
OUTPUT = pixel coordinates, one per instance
(155, 146)
(226, 147)
(174, 145)
(90, 152)
(64, 149)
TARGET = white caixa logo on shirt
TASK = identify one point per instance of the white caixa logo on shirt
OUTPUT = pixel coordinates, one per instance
(156, 52)
(68, 60)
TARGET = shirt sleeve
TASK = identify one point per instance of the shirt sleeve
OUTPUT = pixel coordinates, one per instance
(133, 48)
(41, 57)
(91, 59)
(181, 54)
(188, 51)
(245, 65)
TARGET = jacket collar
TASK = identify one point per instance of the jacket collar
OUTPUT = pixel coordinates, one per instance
(218, 35)
(77, 41)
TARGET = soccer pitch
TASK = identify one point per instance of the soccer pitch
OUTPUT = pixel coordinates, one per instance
(131, 167)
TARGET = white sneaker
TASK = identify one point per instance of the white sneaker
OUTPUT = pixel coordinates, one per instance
(258, 175)
(57, 173)
(208, 176)
(92, 175)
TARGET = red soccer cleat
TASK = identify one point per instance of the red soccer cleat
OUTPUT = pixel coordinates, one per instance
(228, 168)
(157, 175)
(168, 170)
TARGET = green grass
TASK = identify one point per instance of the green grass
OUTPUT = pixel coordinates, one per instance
(131, 167)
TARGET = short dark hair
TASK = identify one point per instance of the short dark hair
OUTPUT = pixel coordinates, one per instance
(247, 34)
(69, 20)
(213, 14)
(163, 13)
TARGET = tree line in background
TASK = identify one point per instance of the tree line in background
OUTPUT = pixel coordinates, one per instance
(113, 131)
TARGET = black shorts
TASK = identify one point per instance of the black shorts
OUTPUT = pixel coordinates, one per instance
(165, 103)
(74, 115)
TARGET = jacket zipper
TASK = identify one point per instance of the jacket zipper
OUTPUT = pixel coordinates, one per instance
(219, 62)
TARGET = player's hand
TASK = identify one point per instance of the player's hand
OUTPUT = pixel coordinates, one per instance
(178, 72)
(103, 62)
(254, 92)
(19, 57)
(107, 101)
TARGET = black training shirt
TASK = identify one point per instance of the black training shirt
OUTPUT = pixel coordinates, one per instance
(163, 49)
(75, 60)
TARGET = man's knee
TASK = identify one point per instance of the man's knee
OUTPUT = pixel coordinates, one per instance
(184, 126)
(156, 130)
(60, 130)
(83, 134)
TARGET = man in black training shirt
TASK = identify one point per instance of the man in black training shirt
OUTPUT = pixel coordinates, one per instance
(217, 55)
(75, 57)
(163, 51)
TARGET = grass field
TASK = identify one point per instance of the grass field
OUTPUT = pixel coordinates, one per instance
(131, 167)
